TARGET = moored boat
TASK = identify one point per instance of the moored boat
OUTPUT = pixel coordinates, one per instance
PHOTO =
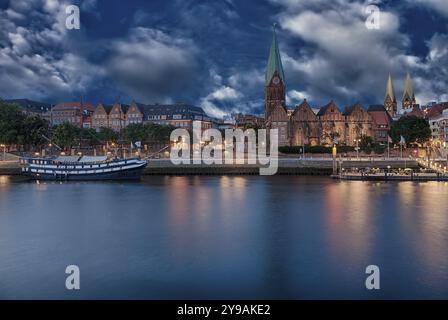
(78, 168)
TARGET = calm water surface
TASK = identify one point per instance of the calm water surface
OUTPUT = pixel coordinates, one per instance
(223, 237)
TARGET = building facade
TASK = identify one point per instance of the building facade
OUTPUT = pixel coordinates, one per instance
(439, 128)
(119, 115)
(78, 114)
(100, 118)
(382, 122)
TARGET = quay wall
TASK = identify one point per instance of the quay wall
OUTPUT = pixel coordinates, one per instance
(291, 166)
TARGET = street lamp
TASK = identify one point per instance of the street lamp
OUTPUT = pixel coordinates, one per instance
(4, 151)
(357, 147)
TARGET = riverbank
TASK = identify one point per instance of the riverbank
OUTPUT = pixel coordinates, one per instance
(393, 177)
(286, 166)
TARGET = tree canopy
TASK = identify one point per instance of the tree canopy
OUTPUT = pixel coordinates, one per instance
(64, 135)
(17, 128)
(412, 128)
(11, 124)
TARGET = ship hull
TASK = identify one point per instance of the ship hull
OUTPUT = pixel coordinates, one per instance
(129, 174)
(39, 169)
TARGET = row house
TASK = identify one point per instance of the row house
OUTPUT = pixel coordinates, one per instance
(177, 115)
(118, 116)
(100, 118)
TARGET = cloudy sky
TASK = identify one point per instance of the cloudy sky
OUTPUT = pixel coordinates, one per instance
(213, 53)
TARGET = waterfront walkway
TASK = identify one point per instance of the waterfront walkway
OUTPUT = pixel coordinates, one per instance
(286, 165)
(412, 176)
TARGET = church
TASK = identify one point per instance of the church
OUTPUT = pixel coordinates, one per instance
(303, 126)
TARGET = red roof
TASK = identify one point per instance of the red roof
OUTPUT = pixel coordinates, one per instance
(380, 118)
(434, 111)
(416, 111)
(74, 105)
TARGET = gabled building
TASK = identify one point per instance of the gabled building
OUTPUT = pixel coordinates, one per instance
(305, 126)
(135, 113)
(333, 124)
(358, 122)
(100, 118)
(117, 116)
(381, 123)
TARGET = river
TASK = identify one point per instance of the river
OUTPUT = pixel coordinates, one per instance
(223, 237)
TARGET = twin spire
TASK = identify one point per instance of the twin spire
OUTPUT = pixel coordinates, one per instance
(275, 61)
(408, 93)
(408, 89)
(390, 89)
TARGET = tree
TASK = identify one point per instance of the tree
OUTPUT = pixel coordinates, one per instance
(366, 144)
(89, 136)
(135, 132)
(11, 124)
(65, 135)
(158, 133)
(412, 128)
(107, 135)
(35, 128)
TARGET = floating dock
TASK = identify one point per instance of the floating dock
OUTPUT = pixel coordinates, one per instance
(392, 177)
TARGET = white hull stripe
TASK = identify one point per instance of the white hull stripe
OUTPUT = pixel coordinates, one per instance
(87, 171)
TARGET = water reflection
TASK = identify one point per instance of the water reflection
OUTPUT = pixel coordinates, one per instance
(225, 237)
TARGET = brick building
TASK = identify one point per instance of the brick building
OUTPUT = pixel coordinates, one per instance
(78, 114)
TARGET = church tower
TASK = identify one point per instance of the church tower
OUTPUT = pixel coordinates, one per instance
(275, 79)
(408, 101)
(390, 102)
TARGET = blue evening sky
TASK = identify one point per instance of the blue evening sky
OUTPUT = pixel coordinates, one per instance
(214, 53)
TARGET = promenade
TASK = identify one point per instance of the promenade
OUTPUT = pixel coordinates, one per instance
(286, 165)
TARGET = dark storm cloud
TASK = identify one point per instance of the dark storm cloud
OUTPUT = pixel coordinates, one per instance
(214, 53)
(343, 60)
(151, 65)
(34, 62)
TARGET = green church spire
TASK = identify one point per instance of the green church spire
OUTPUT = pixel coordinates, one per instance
(275, 61)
